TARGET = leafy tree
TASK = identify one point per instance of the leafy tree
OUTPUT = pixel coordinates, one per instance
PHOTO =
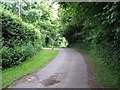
(94, 25)
(40, 14)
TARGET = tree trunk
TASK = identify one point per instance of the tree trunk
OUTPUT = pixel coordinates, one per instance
(20, 8)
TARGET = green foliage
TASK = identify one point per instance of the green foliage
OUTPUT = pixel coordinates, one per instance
(49, 32)
(20, 40)
(94, 25)
(40, 14)
(31, 11)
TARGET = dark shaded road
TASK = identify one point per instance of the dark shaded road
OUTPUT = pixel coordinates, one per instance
(67, 70)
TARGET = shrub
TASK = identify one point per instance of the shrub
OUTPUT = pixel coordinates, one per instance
(20, 40)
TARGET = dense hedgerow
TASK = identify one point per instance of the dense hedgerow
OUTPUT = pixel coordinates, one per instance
(19, 39)
(95, 26)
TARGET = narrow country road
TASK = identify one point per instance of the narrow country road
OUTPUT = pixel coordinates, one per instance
(67, 70)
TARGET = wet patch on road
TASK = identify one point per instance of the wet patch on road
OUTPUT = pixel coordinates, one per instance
(50, 81)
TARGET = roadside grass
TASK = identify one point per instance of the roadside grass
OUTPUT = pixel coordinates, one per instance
(32, 64)
(104, 76)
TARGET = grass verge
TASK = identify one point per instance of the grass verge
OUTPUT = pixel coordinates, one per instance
(104, 76)
(32, 64)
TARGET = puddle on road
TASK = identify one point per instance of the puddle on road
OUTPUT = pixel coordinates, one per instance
(50, 81)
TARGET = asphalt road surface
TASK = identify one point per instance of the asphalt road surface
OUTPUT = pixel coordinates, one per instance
(67, 70)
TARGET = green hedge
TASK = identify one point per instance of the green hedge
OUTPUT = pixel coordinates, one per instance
(20, 40)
